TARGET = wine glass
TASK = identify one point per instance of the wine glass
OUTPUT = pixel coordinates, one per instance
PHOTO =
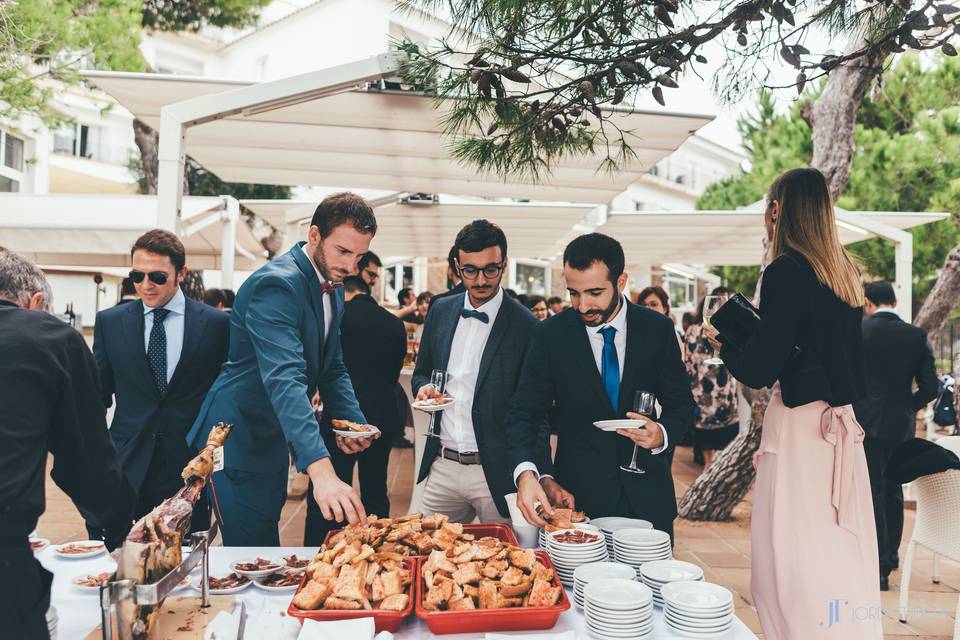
(438, 380)
(643, 403)
(710, 306)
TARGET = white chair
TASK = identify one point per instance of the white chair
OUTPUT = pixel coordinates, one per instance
(937, 525)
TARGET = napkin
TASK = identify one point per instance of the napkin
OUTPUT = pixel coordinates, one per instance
(356, 629)
(565, 635)
(224, 625)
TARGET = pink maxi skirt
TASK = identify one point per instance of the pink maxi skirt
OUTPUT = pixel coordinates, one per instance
(815, 570)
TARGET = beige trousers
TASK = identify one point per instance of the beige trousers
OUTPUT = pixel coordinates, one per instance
(459, 491)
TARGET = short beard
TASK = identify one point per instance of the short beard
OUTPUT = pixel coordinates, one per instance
(321, 264)
(609, 311)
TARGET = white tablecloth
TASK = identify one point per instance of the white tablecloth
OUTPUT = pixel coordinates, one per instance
(79, 612)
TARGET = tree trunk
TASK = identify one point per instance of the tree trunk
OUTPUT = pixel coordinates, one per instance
(832, 119)
(148, 141)
(943, 298)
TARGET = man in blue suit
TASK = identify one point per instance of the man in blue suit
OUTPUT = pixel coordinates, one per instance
(285, 346)
(158, 356)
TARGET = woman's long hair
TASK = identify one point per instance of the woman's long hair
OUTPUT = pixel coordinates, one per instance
(806, 224)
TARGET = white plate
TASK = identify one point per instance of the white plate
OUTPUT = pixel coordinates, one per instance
(698, 624)
(42, 543)
(698, 633)
(420, 405)
(624, 617)
(587, 573)
(84, 588)
(619, 630)
(77, 556)
(615, 523)
(287, 589)
(690, 595)
(617, 593)
(667, 571)
(357, 434)
(262, 573)
(641, 537)
(195, 583)
(687, 614)
(613, 425)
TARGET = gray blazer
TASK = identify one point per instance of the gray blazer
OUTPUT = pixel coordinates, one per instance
(497, 379)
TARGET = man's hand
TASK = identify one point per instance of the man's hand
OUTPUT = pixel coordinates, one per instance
(712, 335)
(428, 391)
(648, 436)
(529, 493)
(558, 496)
(337, 500)
(355, 445)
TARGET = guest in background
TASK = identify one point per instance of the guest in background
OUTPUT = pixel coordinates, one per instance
(192, 285)
(813, 519)
(538, 307)
(555, 304)
(215, 298)
(157, 358)
(128, 293)
(422, 304)
(689, 318)
(454, 282)
(896, 354)
(51, 407)
(407, 300)
(229, 296)
(714, 390)
(511, 293)
(370, 267)
(374, 345)
(657, 299)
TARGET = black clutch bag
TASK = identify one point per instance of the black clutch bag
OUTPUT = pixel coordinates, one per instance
(736, 320)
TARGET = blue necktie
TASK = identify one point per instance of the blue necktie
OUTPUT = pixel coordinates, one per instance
(610, 367)
(476, 315)
(157, 349)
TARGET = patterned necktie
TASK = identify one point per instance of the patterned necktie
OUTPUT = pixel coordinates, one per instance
(610, 367)
(157, 349)
(330, 287)
(476, 315)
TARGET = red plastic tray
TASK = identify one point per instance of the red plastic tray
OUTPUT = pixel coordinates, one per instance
(483, 620)
(503, 532)
(383, 620)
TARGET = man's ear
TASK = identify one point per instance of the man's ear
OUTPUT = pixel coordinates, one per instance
(622, 282)
(37, 302)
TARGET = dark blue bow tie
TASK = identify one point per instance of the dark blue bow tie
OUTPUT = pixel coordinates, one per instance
(477, 315)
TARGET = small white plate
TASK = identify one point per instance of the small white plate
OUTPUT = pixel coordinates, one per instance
(86, 588)
(96, 548)
(195, 583)
(696, 596)
(261, 573)
(358, 434)
(698, 624)
(615, 523)
(667, 571)
(587, 573)
(39, 544)
(622, 423)
(619, 594)
(285, 589)
(428, 406)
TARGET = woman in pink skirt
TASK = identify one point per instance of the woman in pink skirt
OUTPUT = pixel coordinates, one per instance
(814, 542)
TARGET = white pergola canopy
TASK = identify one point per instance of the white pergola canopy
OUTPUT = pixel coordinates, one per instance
(98, 230)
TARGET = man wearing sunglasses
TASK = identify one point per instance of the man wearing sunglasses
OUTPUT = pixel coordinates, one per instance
(479, 338)
(157, 357)
(284, 347)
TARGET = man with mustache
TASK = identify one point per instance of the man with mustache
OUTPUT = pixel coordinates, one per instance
(284, 347)
(590, 360)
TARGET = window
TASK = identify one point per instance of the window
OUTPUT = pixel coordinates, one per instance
(8, 186)
(11, 167)
(13, 153)
(85, 141)
(530, 277)
(396, 277)
(682, 290)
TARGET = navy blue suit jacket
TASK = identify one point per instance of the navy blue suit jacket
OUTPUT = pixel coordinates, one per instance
(125, 373)
(278, 358)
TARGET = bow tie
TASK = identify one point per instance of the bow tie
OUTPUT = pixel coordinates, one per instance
(330, 287)
(476, 315)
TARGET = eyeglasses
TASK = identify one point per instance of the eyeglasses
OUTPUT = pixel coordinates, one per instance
(156, 277)
(470, 272)
(539, 309)
(373, 275)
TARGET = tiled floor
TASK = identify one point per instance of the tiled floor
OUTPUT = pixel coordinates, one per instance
(722, 549)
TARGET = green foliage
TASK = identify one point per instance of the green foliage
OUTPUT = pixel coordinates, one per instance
(191, 15)
(907, 159)
(205, 183)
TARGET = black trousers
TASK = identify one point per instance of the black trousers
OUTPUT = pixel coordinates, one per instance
(373, 464)
(24, 595)
(887, 502)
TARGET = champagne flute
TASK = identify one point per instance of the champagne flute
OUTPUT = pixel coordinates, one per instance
(643, 403)
(438, 380)
(710, 306)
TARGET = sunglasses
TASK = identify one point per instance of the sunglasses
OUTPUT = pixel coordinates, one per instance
(156, 277)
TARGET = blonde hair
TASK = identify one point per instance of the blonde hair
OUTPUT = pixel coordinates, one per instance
(806, 225)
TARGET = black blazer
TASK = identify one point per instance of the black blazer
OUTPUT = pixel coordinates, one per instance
(895, 354)
(374, 345)
(560, 368)
(796, 310)
(496, 381)
(141, 412)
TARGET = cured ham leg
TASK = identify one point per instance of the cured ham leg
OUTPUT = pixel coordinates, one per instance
(153, 547)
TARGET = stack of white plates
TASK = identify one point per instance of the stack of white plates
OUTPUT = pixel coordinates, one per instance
(617, 608)
(576, 525)
(52, 621)
(610, 524)
(658, 573)
(636, 547)
(567, 556)
(697, 609)
(587, 573)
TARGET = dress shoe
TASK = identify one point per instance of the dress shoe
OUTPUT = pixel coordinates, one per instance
(884, 583)
(399, 442)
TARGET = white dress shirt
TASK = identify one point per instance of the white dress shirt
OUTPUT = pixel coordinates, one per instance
(172, 325)
(889, 310)
(327, 305)
(595, 337)
(469, 339)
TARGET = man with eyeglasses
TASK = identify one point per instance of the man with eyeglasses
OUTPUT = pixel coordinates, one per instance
(370, 266)
(157, 358)
(479, 338)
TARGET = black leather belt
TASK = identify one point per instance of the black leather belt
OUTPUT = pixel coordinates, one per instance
(472, 457)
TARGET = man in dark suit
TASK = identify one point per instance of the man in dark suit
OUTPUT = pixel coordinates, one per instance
(895, 355)
(158, 356)
(590, 360)
(374, 345)
(284, 347)
(479, 337)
